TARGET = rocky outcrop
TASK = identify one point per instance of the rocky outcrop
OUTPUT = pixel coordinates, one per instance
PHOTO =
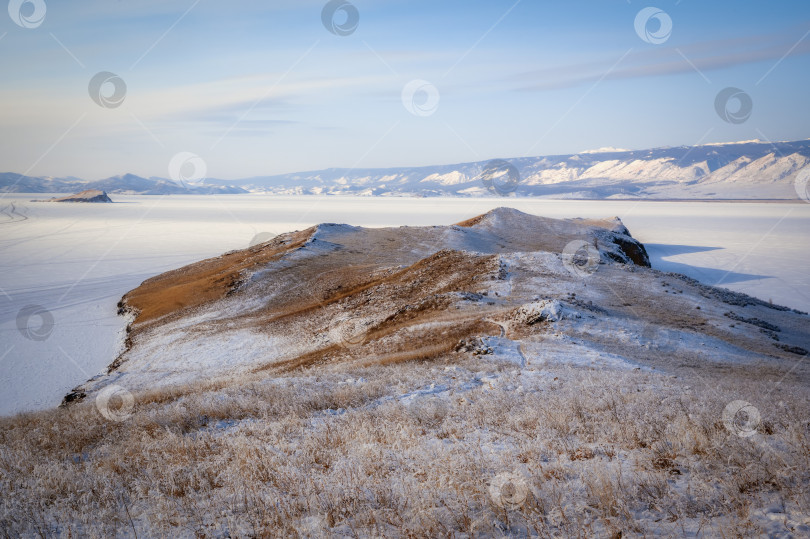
(88, 195)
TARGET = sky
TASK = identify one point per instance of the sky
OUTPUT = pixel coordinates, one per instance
(94, 88)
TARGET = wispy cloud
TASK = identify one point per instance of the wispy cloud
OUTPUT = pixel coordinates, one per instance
(702, 56)
(228, 97)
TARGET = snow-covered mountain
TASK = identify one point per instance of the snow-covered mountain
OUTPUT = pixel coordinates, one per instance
(743, 170)
(731, 171)
(122, 184)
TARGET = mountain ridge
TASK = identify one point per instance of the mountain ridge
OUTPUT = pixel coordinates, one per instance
(745, 170)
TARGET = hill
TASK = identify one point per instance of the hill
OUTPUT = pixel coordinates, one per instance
(507, 375)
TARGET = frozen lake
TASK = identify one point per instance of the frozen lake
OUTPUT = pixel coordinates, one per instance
(75, 261)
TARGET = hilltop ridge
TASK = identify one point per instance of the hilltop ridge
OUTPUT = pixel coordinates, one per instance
(296, 300)
(747, 170)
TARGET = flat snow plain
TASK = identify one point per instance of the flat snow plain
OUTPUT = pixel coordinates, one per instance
(77, 260)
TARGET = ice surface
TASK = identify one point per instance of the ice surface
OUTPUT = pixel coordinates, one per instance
(77, 261)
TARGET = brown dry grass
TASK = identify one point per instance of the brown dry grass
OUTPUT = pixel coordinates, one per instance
(402, 436)
(203, 282)
(600, 453)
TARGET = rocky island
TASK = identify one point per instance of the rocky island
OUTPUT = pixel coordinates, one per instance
(88, 195)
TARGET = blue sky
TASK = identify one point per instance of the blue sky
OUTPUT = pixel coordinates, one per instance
(262, 87)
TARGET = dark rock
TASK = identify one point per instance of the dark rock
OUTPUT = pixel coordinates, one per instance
(89, 195)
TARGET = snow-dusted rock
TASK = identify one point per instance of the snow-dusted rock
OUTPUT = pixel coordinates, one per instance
(88, 195)
(550, 310)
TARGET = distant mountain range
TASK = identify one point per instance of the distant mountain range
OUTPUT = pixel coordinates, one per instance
(739, 170)
(125, 184)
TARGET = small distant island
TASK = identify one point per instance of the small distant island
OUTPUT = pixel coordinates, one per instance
(88, 195)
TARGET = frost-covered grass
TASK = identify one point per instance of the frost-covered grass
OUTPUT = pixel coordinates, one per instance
(457, 447)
